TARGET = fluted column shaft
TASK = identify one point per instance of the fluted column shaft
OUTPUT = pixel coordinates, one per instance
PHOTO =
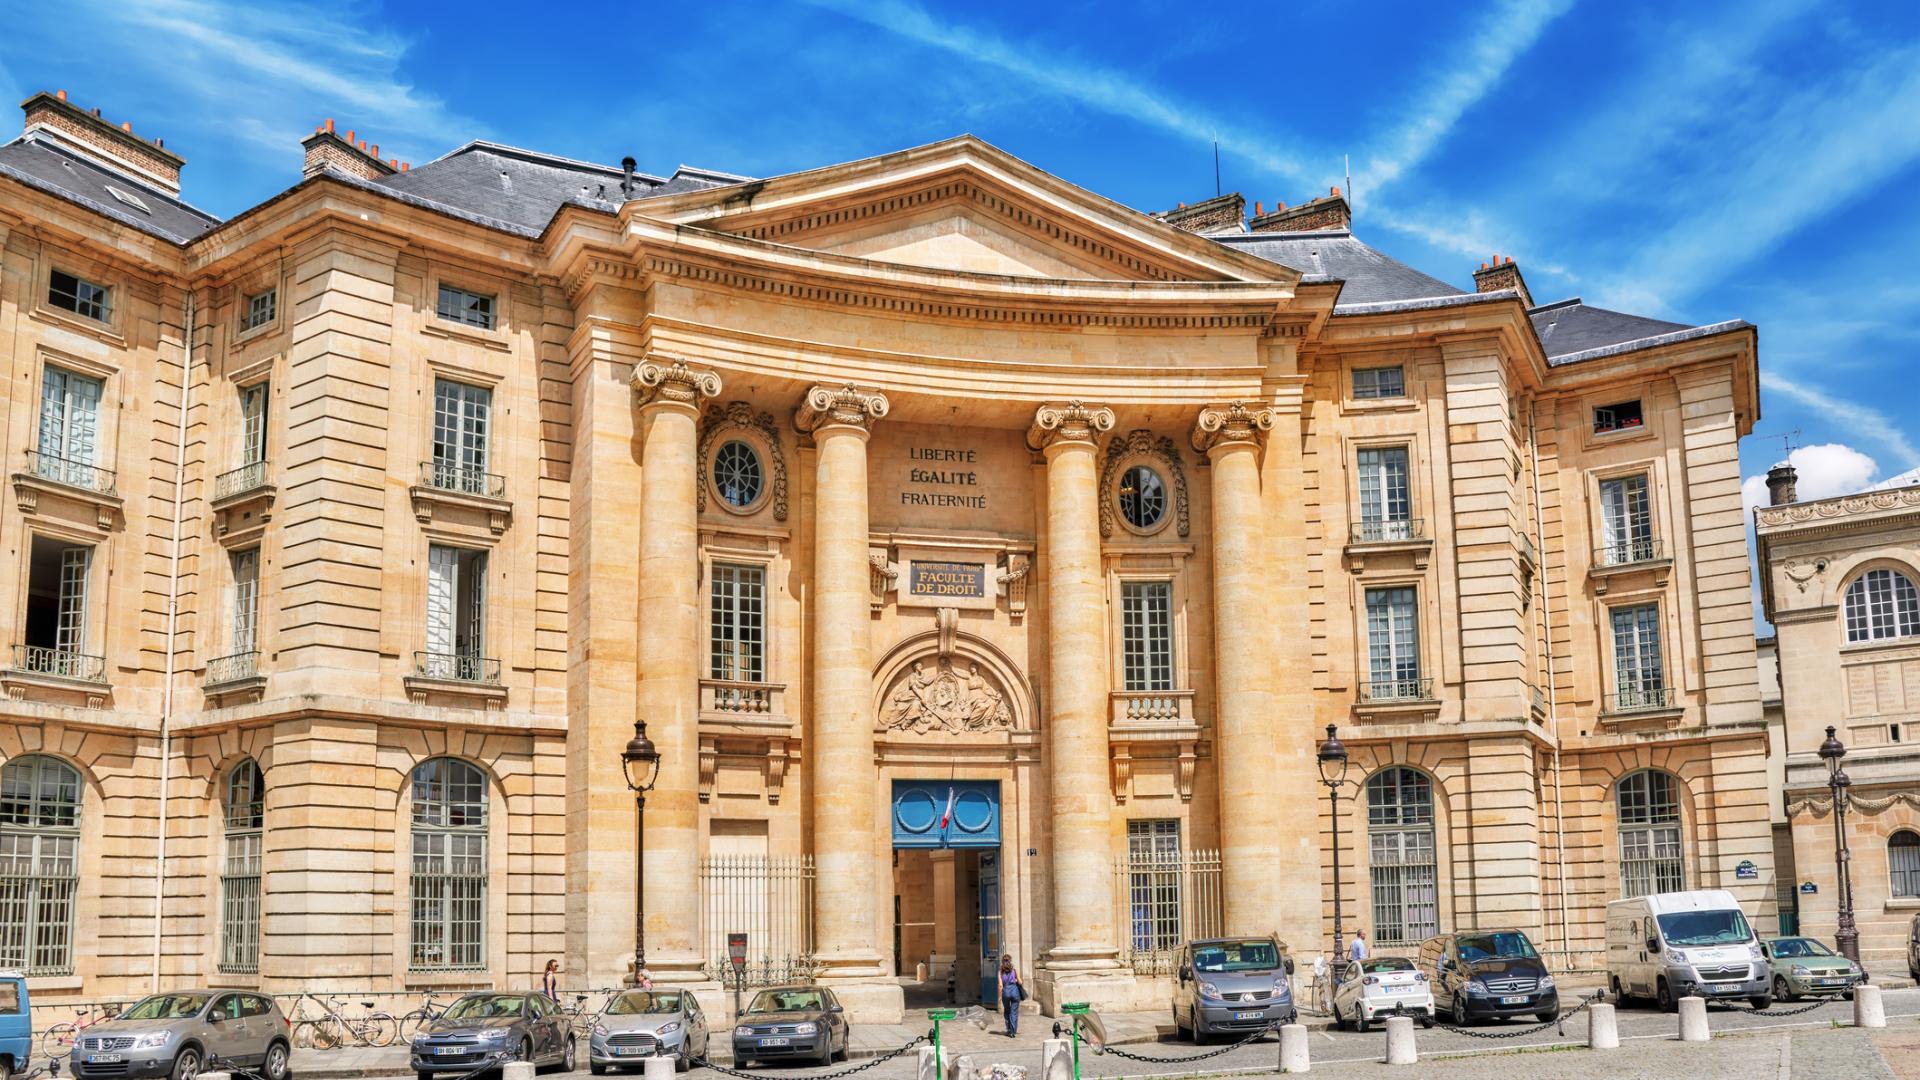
(845, 814)
(1081, 795)
(669, 634)
(1243, 621)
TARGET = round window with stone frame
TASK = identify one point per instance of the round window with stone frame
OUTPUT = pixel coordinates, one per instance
(1142, 495)
(739, 478)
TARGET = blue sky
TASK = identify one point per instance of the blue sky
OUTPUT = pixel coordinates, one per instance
(1756, 159)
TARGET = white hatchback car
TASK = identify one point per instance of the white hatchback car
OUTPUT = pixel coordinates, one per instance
(1379, 987)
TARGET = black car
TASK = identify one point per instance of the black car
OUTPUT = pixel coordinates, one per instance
(489, 1027)
(791, 1022)
(1483, 974)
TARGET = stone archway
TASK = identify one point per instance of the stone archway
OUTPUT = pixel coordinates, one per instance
(943, 681)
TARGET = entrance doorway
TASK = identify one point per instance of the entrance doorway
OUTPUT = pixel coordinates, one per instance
(949, 919)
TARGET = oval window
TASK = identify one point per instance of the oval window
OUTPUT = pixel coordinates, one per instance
(736, 475)
(1143, 497)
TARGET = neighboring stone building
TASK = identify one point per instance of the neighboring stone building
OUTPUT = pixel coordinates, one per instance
(985, 558)
(1841, 582)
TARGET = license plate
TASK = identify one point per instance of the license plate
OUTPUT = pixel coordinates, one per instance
(1398, 989)
(1726, 989)
(776, 1042)
(1246, 1016)
(105, 1059)
(449, 1051)
(1833, 982)
(1513, 1001)
(629, 1051)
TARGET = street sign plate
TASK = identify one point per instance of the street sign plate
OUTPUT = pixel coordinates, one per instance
(737, 950)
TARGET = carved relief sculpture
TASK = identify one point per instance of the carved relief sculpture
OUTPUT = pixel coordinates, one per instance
(942, 699)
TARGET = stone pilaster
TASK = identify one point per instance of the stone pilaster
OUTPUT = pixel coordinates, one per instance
(1231, 435)
(1083, 963)
(669, 635)
(845, 813)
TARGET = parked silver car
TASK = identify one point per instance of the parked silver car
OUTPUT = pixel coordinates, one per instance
(1232, 985)
(640, 1024)
(493, 1027)
(176, 1035)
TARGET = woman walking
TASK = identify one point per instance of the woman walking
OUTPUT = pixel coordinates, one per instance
(550, 980)
(1012, 993)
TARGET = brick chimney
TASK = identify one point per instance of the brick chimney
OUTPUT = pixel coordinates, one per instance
(1213, 215)
(1502, 274)
(86, 134)
(1330, 211)
(327, 150)
(1781, 481)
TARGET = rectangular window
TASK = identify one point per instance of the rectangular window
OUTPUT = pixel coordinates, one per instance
(461, 306)
(260, 309)
(240, 901)
(449, 902)
(1379, 382)
(456, 614)
(1393, 646)
(1153, 884)
(253, 424)
(1146, 634)
(55, 641)
(461, 415)
(1626, 520)
(1638, 675)
(1616, 417)
(39, 877)
(738, 623)
(69, 434)
(80, 296)
(1386, 502)
(246, 601)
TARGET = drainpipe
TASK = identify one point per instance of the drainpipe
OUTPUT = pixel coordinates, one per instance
(1546, 653)
(173, 622)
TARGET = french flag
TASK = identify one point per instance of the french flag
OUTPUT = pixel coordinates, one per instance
(946, 816)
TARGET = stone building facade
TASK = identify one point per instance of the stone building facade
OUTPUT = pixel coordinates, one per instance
(1841, 582)
(985, 558)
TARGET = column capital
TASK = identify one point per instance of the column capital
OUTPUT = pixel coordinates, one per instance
(1068, 421)
(673, 382)
(839, 406)
(1231, 422)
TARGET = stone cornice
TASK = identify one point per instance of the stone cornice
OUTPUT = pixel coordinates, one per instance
(1879, 507)
(1230, 422)
(673, 383)
(839, 406)
(1068, 422)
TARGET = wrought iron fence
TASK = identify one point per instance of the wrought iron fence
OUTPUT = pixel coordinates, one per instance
(1163, 900)
(457, 667)
(446, 476)
(228, 669)
(1641, 700)
(1377, 690)
(1389, 532)
(769, 898)
(42, 660)
(74, 474)
(240, 481)
(1628, 552)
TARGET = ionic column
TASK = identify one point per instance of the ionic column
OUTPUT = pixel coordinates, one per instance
(845, 814)
(1079, 687)
(1243, 617)
(669, 636)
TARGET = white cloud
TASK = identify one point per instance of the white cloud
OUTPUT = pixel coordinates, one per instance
(1824, 470)
(1867, 423)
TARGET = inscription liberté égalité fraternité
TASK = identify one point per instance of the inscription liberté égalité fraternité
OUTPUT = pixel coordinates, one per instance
(941, 467)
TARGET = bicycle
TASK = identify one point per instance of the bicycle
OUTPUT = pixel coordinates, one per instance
(303, 1026)
(58, 1040)
(579, 1018)
(427, 1013)
(370, 1028)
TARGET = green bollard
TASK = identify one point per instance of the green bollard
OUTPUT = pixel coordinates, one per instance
(1075, 1009)
(937, 1015)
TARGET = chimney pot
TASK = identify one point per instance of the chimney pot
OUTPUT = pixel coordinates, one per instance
(1279, 206)
(329, 125)
(349, 136)
(404, 166)
(1334, 191)
(376, 150)
(126, 126)
(1483, 266)
(96, 112)
(61, 94)
(1256, 208)
(1782, 483)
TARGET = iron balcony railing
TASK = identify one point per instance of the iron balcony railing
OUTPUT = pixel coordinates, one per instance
(70, 473)
(240, 481)
(457, 667)
(1628, 552)
(1389, 532)
(231, 669)
(1379, 690)
(1645, 699)
(446, 476)
(60, 663)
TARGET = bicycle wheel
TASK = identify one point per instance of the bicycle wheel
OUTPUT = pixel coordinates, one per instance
(303, 1034)
(410, 1024)
(380, 1028)
(328, 1034)
(58, 1041)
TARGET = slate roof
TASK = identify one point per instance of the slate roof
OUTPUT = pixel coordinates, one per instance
(48, 167)
(1336, 255)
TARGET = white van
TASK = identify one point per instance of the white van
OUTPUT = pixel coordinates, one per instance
(1669, 945)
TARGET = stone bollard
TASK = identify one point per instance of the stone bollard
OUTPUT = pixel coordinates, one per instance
(1603, 1029)
(218, 1075)
(1056, 1060)
(1400, 1048)
(962, 1068)
(524, 1070)
(1294, 1057)
(1693, 1019)
(930, 1069)
(655, 1068)
(1868, 1011)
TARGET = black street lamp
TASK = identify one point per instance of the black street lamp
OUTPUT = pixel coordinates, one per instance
(1847, 935)
(1333, 772)
(641, 762)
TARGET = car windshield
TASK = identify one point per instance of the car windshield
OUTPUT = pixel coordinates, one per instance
(637, 1002)
(1690, 928)
(767, 1001)
(166, 1007)
(1799, 946)
(1236, 956)
(1387, 963)
(485, 1007)
(1512, 945)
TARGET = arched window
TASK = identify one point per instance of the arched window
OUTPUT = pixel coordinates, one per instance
(449, 865)
(245, 818)
(1882, 604)
(39, 864)
(1649, 812)
(1401, 856)
(1903, 864)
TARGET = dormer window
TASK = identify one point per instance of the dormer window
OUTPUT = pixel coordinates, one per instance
(461, 306)
(82, 297)
(1617, 417)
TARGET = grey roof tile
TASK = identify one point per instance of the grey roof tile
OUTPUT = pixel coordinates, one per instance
(69, 176)
(1370, 276)
(1567, 327)
(526, 188)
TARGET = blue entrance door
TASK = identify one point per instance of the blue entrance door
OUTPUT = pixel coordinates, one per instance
(990, 926)
(946, 814)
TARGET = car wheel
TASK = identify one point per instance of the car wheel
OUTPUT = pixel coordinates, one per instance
(422, 1076)
(1761, 1002)
(1426, 1020)
(1613, 986)
(596, 1068)
(1360, 1021)
(1780, 988)
(567, 1053)
(275, 1065)
(1663, 995)
(1459, 1011)
(1547, 1017)
(187, 1065)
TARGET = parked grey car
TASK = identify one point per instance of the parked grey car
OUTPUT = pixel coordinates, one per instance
(493, 1027)
(1232, 985)
(640, 1024)
(791, 1022)
(176, 1035)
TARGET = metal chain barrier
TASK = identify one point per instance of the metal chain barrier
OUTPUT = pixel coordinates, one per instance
(1154, 1059)
(216, 1063)
(1728, 1007)
(703, 1063)
(1559, 1022)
